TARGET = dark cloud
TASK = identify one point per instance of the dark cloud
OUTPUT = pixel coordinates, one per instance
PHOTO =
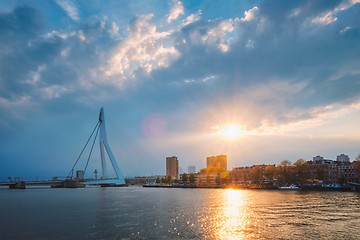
(280, 65)
(282, 49)
(23, 50)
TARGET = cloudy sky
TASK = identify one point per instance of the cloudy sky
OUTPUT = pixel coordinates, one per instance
(260, 81)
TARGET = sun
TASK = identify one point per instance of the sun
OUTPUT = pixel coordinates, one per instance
(231, 131)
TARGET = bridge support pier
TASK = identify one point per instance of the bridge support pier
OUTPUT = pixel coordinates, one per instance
(18, 185)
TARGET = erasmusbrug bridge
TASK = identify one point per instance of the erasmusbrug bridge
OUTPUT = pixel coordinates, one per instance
(130, 161)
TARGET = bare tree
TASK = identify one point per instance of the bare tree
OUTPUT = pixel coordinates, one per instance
(301, 166)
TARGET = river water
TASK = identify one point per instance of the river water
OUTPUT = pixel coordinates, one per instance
(159, 213)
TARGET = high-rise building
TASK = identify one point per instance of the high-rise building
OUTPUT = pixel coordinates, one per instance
(343, 158)
(211, 162)
(222, 161)
(217, 162)
(172, 167)
(191, 169)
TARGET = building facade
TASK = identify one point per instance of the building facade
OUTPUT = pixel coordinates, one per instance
(172, 167)
(241, 175)
(343, 158)
(191, 169)
(333, 170)
(217, 162)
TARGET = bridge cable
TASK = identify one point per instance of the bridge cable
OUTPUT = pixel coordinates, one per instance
(91, 149)
(145, 152)
(130, 150)
(128, 153)
(72, 170)
(141, 155)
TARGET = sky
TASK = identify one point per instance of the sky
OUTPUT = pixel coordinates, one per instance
(259, 81)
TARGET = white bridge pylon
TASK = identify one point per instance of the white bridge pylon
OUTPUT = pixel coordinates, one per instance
(104, 147)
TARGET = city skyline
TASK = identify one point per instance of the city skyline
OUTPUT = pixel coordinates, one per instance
(259, 81)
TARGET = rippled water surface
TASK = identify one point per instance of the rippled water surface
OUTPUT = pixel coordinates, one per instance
(150, 213)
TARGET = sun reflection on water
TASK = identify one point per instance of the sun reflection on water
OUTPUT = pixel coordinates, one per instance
(231, 216)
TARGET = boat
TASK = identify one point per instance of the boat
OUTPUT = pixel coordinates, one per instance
(291, 187)
(354, 186)
(337, 187)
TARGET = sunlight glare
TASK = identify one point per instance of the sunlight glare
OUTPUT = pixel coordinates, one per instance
(231, 131)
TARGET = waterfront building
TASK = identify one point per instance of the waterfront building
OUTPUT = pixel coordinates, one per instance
(206, 178)
(328, 170)
(254, 174)
(80, 174)
(191, 169)
(180, 172)
(172, 167)
(320, 160)
(241, 175)
(219, 161)
(343, 158)
(332, 170)
(210, 161)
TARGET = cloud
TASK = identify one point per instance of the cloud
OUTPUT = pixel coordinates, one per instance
(251, 14)
(329, 16)
(114, 29)
(192, 18)
(175, 10)
(70, 8)
(141, 48)
(274, 69)
(268, 68)
(295, 68)
(26, 50)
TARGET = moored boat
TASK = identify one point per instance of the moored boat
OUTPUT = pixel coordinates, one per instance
(354, 186)
(291, 187)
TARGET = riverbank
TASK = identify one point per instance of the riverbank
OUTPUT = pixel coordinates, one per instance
(345, 188)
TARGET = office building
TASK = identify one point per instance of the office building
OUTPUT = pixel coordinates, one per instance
(191, 169)
(172, 167)
(343, 158)
(217, 162)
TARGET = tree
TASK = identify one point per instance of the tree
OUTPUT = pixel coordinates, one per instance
(208, 179)
(158, 180)
(236, 178)
(184, 178)
(269, 172)
(357, 167)
(342, 179)
(256, 174)
(169, 179)
(192, 178)
(245, 179)
(200, 180)
(226, 179)
(320, 174)
(163, 180)
(217, 179)
(301, 166)
(284, 170)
